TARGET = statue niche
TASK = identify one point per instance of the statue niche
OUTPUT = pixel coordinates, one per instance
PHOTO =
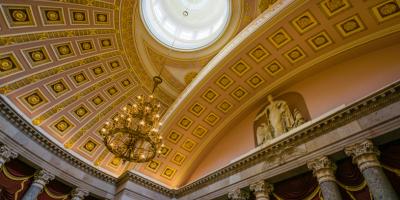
(275, 119)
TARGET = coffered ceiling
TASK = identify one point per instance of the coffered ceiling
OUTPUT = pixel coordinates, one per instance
(68, 66)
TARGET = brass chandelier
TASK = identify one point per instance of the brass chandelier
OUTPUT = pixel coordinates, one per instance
(134, 135)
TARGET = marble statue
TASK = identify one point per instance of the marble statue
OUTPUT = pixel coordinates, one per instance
(277, 119)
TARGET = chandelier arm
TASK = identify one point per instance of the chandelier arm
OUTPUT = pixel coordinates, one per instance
(133, 136)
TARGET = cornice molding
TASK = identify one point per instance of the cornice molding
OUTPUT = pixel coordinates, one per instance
(352, 112)
(342, 117)
(26, 128)
(129, 176)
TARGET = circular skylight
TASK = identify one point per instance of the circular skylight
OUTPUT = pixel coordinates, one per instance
(186, 25)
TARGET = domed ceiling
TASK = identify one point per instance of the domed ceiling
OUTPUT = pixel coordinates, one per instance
(186, 25)
(69, 66)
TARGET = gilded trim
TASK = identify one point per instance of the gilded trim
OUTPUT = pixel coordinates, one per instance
(353, 112)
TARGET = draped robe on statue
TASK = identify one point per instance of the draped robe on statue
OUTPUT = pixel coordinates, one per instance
(277, 120)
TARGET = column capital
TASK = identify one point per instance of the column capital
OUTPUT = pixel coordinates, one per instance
(262, 186)
(261, 189)
(42, 177)
(238, 194)
(6, 154)
(323, 168)
(79, 194)
(364, 154)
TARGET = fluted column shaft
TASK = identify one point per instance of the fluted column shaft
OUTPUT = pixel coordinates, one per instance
(79, 194)
(41, 178)
(262, 190)
(324, 171)
(6, 154)
(365, 155)
(238, 194)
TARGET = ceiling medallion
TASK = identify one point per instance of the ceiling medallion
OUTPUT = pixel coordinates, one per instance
(133, 136)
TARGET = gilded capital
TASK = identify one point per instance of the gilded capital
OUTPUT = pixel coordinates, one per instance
(6, 154)
(42, 177)
(364, 154)
(238, 194)
(323, 168)
(79, 194)
(261, 189)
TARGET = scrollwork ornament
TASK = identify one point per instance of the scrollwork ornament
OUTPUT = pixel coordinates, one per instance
(6, 154)
(238, 194)
(79, 194)
(364, 154)
(261, 189)
(323, 169)
(42, 177)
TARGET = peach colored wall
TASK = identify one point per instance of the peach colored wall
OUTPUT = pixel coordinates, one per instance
(349, 81)
(338, 84)
(228, 147)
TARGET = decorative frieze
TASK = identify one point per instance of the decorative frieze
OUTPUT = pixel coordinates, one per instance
(362, 108)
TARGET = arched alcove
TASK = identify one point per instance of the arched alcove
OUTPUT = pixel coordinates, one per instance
(296, 111)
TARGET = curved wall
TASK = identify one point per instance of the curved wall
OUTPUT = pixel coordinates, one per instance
(338, 84)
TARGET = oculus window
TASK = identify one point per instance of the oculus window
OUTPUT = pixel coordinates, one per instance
(186, 25)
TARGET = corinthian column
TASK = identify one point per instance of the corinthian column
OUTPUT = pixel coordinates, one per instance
(6, 154)
(324, 171)
(261, 190)
(41, 178)
(238, 194)
(79, 194)
(365, 155)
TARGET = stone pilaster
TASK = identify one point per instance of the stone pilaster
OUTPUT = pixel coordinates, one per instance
(41, 178)
(324, 171)
(238, 194)
(365, 155)
(6, 154)
(79, 194)
(262, 190)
